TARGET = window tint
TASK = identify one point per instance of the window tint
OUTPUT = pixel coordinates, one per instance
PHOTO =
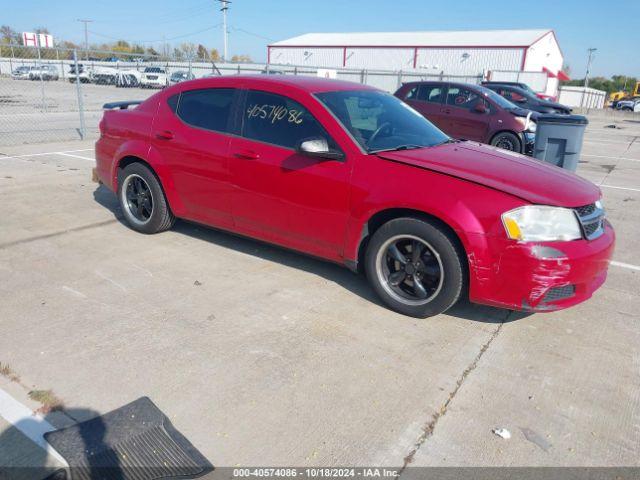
(412, 94)
(172, 101)
(279, 120)
(208, 108)
(463, 98)
(431, 93)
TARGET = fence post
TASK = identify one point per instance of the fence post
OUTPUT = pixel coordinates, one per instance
(399, 78)
(79, 93)
(44, 105)
(295, 70)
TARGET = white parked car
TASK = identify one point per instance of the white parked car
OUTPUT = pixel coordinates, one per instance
(22, 72)
(128, 78)
(82, 75)
(629, 105)
(44, 72)
(154, 77)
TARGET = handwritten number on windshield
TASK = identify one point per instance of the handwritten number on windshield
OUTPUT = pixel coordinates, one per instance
(275, 113)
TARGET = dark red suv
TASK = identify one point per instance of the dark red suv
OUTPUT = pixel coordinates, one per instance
(472, 112)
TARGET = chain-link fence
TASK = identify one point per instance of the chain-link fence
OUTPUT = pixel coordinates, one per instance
(58, 94)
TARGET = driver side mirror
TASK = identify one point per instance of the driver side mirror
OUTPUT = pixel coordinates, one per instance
(318, 147)
(480, 107)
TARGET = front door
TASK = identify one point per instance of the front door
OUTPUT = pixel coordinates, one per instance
(463, 119)
(281, 195)
(427, 98)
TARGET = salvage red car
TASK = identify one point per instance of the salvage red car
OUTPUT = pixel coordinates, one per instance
(353, 175)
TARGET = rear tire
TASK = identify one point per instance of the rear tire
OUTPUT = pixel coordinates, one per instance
(420, 284)
(507, 141)
(142, 200)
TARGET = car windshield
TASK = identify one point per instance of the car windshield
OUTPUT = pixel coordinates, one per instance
(497, 99)
(379, 121)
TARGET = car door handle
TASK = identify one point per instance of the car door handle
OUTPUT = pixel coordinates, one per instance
(164, 135)
(247, 154)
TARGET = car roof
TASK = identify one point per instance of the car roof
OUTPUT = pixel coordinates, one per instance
(298, 82)
(442, 82)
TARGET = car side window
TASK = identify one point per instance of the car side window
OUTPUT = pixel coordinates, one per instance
(208, 108)
(430, 93)
(412, 94)
(279, 120)
(463, 98)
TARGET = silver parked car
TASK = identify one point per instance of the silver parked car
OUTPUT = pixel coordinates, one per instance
(44, 72)
(180, 76)
(22, 72)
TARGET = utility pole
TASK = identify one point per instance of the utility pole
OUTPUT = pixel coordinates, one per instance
(586, 77)
(86, 36)
(225, 7)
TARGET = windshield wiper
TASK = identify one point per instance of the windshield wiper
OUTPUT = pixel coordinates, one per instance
(448, 140)
(408, 146)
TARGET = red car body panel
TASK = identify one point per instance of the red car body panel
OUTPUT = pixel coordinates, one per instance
(323, 207)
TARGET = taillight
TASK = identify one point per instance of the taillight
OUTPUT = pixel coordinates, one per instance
(102, 126)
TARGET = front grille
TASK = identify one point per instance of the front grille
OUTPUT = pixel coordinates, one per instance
(559, 293)
(586, 210)
(591, 219)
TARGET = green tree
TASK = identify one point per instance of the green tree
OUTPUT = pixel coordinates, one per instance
(214, 55)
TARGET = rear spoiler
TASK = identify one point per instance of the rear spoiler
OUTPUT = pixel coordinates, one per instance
(120, 105)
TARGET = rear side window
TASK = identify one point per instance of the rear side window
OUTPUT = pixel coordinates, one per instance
(278, 120)
(172, 101)
(207, 108)
(427, 93)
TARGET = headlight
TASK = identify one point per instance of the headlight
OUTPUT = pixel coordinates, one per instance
(537, 223)
(527, 124)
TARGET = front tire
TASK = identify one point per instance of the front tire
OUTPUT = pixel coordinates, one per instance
(416, 267)
(142, 200)
(507, 141)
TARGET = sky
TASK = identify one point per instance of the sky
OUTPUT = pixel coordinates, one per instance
(253, 24)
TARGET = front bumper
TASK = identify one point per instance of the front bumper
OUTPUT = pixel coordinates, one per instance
(546, 276)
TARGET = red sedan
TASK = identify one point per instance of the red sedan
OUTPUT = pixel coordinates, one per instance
(351, 174)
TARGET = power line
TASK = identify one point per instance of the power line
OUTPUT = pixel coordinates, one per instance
(110, 37)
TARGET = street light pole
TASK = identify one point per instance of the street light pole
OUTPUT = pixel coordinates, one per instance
(586, 77)
(86, 37)
(225, 7)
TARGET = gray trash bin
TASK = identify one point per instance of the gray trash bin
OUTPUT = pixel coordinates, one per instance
(559, 139)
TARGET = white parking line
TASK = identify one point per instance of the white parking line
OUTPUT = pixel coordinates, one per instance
(611, 158)
(40, 154)
(31, 425)
(621, 188)
(75, 156)
(624, 265)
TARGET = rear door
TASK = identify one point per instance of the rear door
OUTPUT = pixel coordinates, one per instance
(461, 118)
(427, 98)
(281, 195)
(192, 132)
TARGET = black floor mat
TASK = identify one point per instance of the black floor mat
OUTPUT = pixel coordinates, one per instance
(136, 441)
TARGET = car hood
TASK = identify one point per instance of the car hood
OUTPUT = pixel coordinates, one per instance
(512, 173)
(548, 104)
